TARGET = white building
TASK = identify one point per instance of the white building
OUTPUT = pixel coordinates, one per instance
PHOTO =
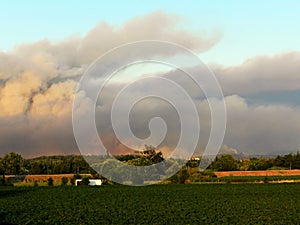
(93, 182)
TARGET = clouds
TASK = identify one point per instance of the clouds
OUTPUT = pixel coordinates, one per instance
(154, 26)
(16, 94)
(38, 82)
(259, 129)
(77, 51)
(261, 74)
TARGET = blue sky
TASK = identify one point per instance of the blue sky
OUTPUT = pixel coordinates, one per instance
(248, 28)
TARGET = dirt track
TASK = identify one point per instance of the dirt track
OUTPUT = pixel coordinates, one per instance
(259, 173)
(43, 178)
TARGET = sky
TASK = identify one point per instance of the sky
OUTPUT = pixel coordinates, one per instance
(252, 47)
(247, 28)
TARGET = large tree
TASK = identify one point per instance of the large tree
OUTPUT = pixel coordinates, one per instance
(224, 163)
(150, 152)
(12, 164)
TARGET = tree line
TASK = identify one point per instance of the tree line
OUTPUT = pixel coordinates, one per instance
(229, 163)
(14, 164)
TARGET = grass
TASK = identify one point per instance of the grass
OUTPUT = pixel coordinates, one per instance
(156, 204)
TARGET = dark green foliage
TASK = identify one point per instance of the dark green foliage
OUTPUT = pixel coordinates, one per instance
(2, 181)
(75, 176)
(180, 177)
(64, 181)
(203, 176)
(260, 164)
(35, 183)
(193, 163)
(151, 154)
(50, 181)
(289, 161)
(266, 180)
(125, 158)
(224, 163)
(174, 179)
(157, 204)
(12, 164)
(85, 180)
(57, 165)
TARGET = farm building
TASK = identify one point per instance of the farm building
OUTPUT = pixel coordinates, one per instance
(93, 182)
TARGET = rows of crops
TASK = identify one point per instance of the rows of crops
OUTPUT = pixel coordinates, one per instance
(157, 204)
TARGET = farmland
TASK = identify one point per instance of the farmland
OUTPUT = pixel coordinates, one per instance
(156, 204)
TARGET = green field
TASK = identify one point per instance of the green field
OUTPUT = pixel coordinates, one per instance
(156, 204)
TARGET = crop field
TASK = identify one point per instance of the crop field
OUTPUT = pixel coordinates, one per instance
(156, 204)
(272, 173)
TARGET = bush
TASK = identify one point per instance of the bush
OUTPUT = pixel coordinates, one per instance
(75, 176)
(182, 176)
(64, 181)
(174, 178)
(2, 181)
(266, 179)
(209, 173)
(50, 181)
(85, 181)
(35, 183)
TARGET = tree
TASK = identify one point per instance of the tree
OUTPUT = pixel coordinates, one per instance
(35, 183)
(12, 164)
(74, 178)
(85, 181)
(150, 153)
(224, 163)
(180, 177)
(64, 181)
(50, 181)
(297, 161)
(2, 182)
(2, 171)
(259, 164)
(183, 176)
(143, 161)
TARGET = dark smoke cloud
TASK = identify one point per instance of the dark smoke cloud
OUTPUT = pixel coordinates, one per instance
(38, 80)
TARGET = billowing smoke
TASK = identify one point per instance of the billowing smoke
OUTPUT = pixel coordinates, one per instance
(38, 80)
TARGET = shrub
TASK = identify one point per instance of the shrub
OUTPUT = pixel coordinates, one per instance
(64, 181)
(2, 181)
(50, 181)
(174, 178)
(266, 179)
(182, 176)
(85, 181)
(35, 183)
(75, 176)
